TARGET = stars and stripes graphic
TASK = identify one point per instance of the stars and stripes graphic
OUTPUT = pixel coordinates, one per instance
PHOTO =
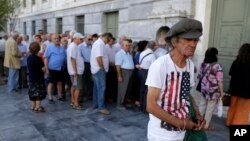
(175, 99)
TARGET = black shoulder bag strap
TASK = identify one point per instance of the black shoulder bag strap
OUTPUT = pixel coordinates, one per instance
(144, 57)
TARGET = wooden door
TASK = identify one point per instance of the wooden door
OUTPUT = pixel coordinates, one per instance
(230, 28)
(112, 23)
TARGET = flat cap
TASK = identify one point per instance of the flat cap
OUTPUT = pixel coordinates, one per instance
(185, 28)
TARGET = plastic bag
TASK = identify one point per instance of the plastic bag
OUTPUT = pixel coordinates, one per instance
(219, 108)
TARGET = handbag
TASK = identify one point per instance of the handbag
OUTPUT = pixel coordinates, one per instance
(198, 87)
(192, 135)
(226, 99)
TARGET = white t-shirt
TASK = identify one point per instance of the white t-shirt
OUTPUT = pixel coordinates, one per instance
(97, 51)
(111, 53)
(73, 51)
(160, 52)
(117, 47)
(147, 60)
(174, 96)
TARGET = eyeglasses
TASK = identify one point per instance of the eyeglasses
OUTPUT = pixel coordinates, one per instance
(90, 39)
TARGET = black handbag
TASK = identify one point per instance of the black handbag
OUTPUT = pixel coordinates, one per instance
(226, 99)
(198, 87)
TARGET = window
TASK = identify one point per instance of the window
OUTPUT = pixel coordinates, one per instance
(112, 23)
(24, 28)
(24, 3)
(11, 27)
(44, 0)
(59, 24)
(33, 2)
(44, 26)
(80, 24)
(33, 27)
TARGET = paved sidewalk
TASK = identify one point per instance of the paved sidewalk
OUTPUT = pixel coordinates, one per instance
(61, 123)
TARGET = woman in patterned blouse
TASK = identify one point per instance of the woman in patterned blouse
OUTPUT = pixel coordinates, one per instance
(211, 74)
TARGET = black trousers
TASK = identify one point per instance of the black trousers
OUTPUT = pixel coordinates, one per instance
(111, 85)
(87, 89)
(143, 89)
(23, 82)
(135, 85)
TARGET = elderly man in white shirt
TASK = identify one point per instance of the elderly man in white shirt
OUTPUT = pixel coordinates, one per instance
(147, 57)
(124, 66)
(75, 65)
(99, 66)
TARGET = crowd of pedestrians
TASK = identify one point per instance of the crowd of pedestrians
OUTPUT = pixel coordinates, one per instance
(155, 75)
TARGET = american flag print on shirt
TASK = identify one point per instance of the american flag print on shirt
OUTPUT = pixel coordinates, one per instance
(175, 99)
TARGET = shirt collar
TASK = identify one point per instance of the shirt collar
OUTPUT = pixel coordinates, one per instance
(123, 51)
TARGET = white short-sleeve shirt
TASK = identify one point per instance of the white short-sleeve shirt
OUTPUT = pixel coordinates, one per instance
(111, 53)
(97, 51)
(146, 58)
(160, 52)
(124, 60)
(117, 47)
(73, 51)
(175, 84)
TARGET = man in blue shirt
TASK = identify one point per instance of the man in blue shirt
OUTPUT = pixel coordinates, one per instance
(54, 59)
(86, 48)
(124, 66)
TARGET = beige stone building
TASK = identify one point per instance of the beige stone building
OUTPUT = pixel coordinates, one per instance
(226, 23)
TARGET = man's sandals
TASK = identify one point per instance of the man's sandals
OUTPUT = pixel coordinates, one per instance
(38, 110)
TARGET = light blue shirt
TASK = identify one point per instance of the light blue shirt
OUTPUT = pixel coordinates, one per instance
(56, 57)
(124, 59)
(23, 49)
(86, 51)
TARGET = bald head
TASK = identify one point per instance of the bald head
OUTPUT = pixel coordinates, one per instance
(19, 39)
(55, 39)
(5, 36)
(48, 36)
(122, 38)
(14, 35)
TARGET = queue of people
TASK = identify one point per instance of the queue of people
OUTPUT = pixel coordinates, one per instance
(93, 67)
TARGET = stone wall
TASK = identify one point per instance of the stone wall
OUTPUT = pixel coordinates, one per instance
(138, 19)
